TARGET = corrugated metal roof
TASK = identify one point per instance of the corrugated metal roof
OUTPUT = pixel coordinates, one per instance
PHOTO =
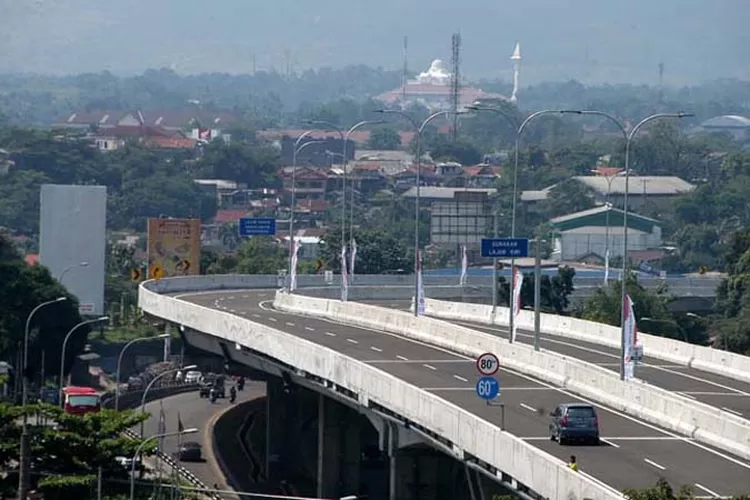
(443, 192)
(648, 185)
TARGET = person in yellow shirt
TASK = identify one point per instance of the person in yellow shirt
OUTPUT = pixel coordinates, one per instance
(573, 464)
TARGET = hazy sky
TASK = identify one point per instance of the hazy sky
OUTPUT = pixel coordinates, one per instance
(590, 40)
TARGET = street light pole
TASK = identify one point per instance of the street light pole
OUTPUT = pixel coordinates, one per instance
(65, 345)
(153, 381)
(119, 363)
(295, 152)
(343, 177)
(419, 129)
(351, 188)
(140, 447)
(514, 125)
(23, 473)
(68, 268)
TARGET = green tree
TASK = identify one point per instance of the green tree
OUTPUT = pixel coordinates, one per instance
(384, 138)
(554, 291)
(260, 255)
(22, 288)
(377, 252)
(604, 306)
(567, 197)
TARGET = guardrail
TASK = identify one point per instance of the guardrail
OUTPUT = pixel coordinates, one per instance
(711, 360)
(637, 398)
(471, 436)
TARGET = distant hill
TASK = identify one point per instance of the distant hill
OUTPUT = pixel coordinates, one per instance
(592, 41)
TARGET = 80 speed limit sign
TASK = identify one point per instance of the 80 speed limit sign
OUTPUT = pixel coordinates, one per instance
(488, 364)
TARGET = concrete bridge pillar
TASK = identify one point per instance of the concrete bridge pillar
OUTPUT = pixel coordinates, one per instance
(276, 433)
(330, 430)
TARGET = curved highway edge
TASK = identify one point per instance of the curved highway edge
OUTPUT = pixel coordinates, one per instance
(465, 436)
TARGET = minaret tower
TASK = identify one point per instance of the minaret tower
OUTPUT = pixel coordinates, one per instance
(516, 58)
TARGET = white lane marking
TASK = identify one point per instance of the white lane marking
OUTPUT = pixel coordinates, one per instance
(687, 395)
(255, 315)
(245, 296)
(330, 334)
(259, 295)
(712, 493)
(289, 323)
(231, 297)
(353, 341)
(704, 393)
(609, 443)
(271, 318)
(739, 414)
(459, 377)
(654, 464)
(431, 361)
(446, 389)
(608, 439)
(232, 311)
(430, 367)
(376, 349)
(663, 368)
(527, 407)
(309, 329)
(402, 358)
(566, 392)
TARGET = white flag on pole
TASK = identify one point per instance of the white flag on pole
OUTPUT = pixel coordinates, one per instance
(353, 259)
(518, 283)
(420, 285)
(344, 278)
(464, 266)
(293, 277)
(606, 267)
(631, 337)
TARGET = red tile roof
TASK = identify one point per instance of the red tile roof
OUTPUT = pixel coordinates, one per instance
(608, 171)
(312, 205)
(228, 216)
(32, 259)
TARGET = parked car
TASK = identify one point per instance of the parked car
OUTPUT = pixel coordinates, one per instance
(136, 383)
(210, 381)
(190, 451)
(574, 422)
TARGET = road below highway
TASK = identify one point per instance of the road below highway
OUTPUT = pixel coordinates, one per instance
(201, 414)
(722, 392)
(634, 453)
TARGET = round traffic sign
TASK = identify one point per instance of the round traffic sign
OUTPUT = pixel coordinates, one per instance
(488, 388)
(488, 364)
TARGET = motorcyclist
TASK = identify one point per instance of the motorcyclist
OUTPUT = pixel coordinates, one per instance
(241, 383)
(212, 394)
(232, 394)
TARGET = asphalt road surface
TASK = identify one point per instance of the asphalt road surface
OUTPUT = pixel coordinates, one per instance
(725, 393)
(634, 453)
(199, 413)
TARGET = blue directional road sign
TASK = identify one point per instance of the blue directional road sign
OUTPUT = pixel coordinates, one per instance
(488, 388)
(254, 226)
(505, 247)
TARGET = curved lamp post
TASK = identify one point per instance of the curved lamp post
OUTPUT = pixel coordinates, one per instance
(297, 149)
(70, 267)
(629, 136)
(23, 476)
(65, 345)
(153, 381)
(140, 447)
(419, 128)
(119, 363)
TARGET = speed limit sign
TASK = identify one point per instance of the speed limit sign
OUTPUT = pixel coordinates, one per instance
(488, 364)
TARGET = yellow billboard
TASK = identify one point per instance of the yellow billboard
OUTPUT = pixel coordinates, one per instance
(174, 247)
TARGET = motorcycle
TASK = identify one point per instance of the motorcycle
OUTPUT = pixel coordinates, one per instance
(232, 395)
(213, 396)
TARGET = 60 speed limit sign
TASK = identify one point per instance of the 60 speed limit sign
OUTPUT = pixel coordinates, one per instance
(488, 364)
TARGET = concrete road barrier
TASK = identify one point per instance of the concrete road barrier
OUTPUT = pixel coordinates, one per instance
(637, 398)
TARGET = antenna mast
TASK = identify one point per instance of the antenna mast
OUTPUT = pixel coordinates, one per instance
(455, 81)
(661, 82)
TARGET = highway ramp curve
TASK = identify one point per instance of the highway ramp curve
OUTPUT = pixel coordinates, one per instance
(201, 414)
(722, 392)
(634, 453)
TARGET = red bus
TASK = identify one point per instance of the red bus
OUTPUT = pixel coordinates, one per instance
(81, 400)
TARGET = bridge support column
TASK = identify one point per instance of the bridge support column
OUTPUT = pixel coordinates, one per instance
(392, 461)
(330, 429)
(352, 456)
(276, 431)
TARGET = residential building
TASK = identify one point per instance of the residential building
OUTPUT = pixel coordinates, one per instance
(431, 194)
(407, 179)
(367, 177)
(737, 126)
(171, 120)
(309, 182)
(583, 236)
(646, 193)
